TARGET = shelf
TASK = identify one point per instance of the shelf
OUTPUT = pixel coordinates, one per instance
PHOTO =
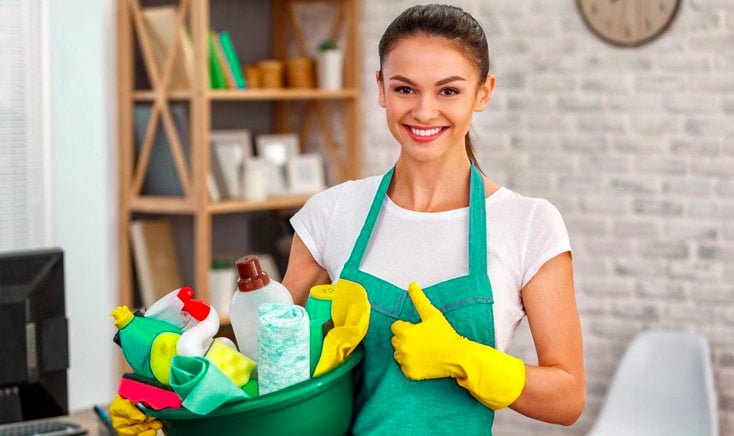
(282, 94)
(268, 204)
(257, 94)
(139, 96)
(152, 204)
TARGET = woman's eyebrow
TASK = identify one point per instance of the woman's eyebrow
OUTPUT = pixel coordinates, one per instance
(439, 83)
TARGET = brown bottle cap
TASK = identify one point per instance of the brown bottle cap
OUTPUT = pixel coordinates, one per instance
(251, 275)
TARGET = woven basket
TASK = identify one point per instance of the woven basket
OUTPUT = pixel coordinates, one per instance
(252, 76)
(300, 73)
(271, 73)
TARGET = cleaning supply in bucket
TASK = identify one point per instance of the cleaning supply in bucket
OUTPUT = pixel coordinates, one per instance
(318, 306)
(140, 343)
(152, 394)
(201, 385)
(174, 308)
(196, 340)
(282, 336)
(350, 312)
(150, 342)
(254, 287)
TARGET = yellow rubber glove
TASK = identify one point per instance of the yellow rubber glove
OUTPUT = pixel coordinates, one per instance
(432, 349)
(350, 312)
(128, 420)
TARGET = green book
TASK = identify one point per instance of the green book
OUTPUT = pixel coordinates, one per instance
(234, 63)
(216, 74)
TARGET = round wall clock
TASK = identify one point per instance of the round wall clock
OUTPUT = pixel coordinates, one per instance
(628, 23)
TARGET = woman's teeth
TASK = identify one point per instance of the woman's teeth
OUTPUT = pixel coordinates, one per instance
(422, 132)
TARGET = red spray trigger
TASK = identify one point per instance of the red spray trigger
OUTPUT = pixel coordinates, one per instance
(198, 309)
(185, 294)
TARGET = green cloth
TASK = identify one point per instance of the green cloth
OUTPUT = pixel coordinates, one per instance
(386, 401)
(251, 388)
(136, 341)
(201, 385)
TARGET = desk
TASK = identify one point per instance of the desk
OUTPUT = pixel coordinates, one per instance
(87, 419)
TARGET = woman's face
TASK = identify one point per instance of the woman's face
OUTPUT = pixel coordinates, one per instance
(429, 93)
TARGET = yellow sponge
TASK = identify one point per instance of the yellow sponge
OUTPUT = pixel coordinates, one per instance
(235, 365)
(161, 354)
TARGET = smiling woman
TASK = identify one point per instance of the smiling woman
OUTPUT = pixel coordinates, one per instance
(485, 257)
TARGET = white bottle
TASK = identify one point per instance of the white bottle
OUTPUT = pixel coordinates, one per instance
(254, 287)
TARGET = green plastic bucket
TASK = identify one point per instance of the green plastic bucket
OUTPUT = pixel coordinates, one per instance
(318, 406)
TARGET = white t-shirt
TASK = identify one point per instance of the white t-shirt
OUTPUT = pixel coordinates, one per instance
(430, 247)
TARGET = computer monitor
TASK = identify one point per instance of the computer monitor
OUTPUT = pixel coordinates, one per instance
(34, 345)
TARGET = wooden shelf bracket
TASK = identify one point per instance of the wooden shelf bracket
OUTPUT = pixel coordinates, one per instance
(161, 108)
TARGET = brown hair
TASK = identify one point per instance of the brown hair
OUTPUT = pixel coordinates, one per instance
(449, 22)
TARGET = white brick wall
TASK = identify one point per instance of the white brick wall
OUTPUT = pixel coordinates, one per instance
(634, 146)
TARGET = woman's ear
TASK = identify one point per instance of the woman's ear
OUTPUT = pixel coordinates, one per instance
(380, 89)
(484, 94)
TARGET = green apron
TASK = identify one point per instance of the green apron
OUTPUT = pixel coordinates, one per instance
(386, 401)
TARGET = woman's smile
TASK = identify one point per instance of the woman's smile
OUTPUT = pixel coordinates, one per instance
(425, 134)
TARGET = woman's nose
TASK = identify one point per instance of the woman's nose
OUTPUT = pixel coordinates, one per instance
(425, 109)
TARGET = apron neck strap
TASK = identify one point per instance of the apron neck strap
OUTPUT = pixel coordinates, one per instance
(355, 259)
(477, 224)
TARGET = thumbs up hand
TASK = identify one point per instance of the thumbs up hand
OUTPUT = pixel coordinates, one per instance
(432, 349)
(424, 350)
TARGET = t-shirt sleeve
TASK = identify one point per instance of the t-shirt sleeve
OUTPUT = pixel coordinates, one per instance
(547, 237)
(311, 223)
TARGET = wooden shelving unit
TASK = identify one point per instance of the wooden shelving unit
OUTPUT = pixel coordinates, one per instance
(256, 94)
(192, 169)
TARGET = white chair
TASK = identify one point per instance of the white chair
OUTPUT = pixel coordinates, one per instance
(663, 386)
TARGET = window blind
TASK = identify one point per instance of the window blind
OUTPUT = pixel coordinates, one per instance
(23, 158)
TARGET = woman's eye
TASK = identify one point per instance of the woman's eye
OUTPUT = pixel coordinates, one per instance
(403, 90)
(449, 91)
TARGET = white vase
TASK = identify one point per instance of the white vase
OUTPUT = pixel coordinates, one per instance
(330, 69)
(221, 284)
(255, 179)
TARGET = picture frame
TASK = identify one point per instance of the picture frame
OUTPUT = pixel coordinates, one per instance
(305, 174)
(277, 149)
(241, 137)
(230, 149)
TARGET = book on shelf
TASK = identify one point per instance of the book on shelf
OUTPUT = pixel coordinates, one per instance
(155, 259)
(218, 176)
(216, 72)
(232, 61)
(222, 58)
(160, 22)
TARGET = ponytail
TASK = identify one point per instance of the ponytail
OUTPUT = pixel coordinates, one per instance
(470, 152)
